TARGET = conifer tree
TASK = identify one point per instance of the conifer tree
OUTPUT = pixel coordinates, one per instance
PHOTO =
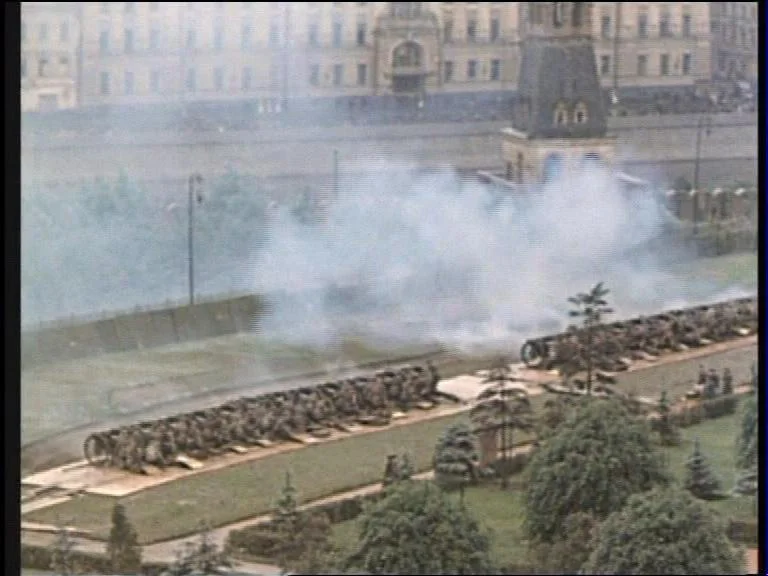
(123, 548)
(455, 459)
(62, 562)
(699, 479)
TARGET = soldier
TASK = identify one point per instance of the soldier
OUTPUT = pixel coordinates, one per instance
(391, 470)
(434, 378)
(702, 376)
(713, 384)
(727, 382)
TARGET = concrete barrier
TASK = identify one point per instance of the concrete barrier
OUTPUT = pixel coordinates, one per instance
(145, 329)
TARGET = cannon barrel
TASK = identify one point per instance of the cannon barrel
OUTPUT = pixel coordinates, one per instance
(535, 353)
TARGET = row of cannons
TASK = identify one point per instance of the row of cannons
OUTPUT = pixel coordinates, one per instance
(291, 415)
(617, 345)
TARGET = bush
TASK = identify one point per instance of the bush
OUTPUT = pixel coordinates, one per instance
(720, 406)
(743, 532)
(39, 558)
(513, 465)
(256, 540)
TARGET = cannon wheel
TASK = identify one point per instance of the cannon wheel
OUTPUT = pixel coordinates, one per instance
(95, 450)
(532, 353)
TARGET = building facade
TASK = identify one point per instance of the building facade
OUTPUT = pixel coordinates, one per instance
(143, 52)
(50, 41)
(734, 40)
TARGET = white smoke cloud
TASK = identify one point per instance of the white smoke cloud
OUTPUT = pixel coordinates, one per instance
(444, 259)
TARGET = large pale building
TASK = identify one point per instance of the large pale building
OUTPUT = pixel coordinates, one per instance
(49, 55)
(140, 52)
(734, 40)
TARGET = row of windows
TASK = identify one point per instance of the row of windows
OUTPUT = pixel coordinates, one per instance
(246, 78)
(665, 25)
(494, 30)
(43, 32)
(44, 66)
(686, 65)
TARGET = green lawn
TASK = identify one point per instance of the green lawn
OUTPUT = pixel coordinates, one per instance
(250, 489)
(740, 268)
(503, 513)
(717, 438)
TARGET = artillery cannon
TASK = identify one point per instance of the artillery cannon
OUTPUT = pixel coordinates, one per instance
(645, 337)
(262, 420)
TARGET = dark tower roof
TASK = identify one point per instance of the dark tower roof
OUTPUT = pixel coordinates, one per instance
(559, 92)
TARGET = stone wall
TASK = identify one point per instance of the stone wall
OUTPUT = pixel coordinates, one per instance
(291, 155)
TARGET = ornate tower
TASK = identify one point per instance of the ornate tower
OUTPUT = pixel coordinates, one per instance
(558, 118)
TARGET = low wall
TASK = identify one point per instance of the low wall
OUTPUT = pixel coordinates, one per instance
(139, 330)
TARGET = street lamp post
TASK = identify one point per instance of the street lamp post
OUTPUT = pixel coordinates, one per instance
(194, 181)
(704, 124)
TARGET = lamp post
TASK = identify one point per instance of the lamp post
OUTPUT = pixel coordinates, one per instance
(195, 180)
(704, 124)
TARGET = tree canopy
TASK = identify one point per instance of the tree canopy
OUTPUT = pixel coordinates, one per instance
(455, 460)
(664, 531)
(417, 529)
(598, 458)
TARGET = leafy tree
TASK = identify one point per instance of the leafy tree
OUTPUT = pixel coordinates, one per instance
(699, 478)
(417, 529)
(668, 432)
(203, 557)
(455, 459)
(598, 458)
(664, 531)
(590, 307)
(746, 441)
(503, 407)
(62, 561)
(123, 548)
(566, 555)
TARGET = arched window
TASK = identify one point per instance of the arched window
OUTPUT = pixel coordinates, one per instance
(561, 115)
(407, 54)
(580, 113)
(578, 14)
(558, 14)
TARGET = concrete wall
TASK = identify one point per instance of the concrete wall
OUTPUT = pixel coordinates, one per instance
(139, 330)
(306, 154)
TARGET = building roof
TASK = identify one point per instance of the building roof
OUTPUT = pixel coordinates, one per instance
(559, 71)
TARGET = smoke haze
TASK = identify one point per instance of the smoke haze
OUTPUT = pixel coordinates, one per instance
(440, 258)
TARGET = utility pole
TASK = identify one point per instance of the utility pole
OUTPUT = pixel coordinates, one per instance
(335, 174)
(194, 181)
(704, 124)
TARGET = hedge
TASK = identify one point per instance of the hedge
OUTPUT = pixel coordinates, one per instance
(39, 558)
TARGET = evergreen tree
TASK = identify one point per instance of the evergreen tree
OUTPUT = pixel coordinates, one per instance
(406, 467)
(203, 557)
(123, 548)
(746, 483)
(669, 434)
(746, 441)
(699, 478)
(285, 522)
(302, 537)
(591, 307)
(503, 406)
(62, 562)
(455, 459)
